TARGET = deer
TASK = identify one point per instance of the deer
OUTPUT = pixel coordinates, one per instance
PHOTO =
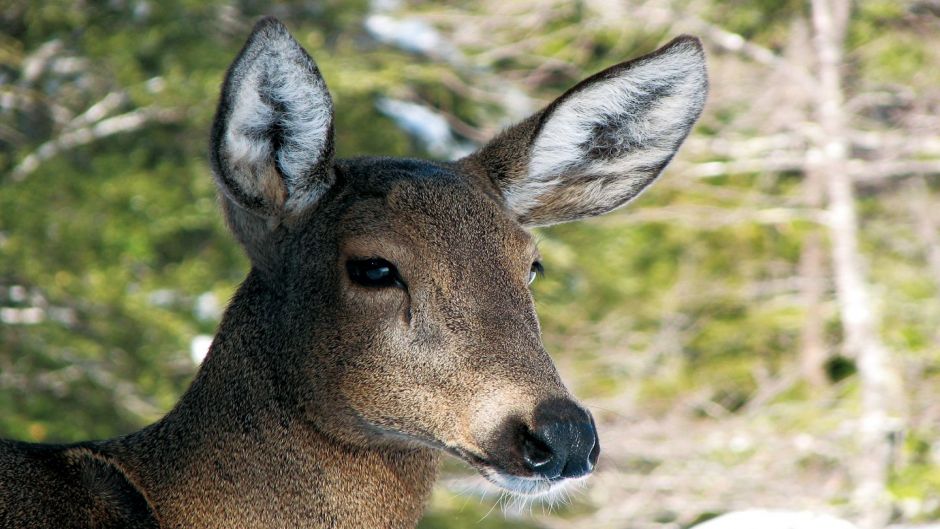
(387, 317)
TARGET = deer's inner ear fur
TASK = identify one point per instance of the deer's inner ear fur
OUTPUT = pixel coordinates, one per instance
(602, 142)
(272, 143)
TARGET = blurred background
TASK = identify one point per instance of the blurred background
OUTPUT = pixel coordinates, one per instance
(760, 329)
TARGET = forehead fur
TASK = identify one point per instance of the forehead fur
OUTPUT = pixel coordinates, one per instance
(434, 202)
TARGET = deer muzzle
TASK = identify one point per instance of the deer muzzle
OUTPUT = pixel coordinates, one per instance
(562, 443)
(535, 452)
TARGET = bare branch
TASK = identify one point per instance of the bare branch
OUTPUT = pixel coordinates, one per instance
(879, 171)
(127, 122)
(713, 217)
(35, 63)
(861, 171)
(98, 111)
(760, 165)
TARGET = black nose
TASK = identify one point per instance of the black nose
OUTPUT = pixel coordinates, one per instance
(562, 442)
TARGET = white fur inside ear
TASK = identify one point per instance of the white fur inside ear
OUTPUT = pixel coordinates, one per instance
(279, 124)
(627, 125)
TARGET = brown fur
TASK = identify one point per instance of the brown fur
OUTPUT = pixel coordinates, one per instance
(323, 402)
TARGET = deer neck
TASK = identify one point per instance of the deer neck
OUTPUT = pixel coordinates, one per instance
(236, 452)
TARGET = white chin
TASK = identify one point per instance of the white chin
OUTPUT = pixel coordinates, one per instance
(533, 487)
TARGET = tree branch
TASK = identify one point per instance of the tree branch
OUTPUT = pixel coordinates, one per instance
(127, 122)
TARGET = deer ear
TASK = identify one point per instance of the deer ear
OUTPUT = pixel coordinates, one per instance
(602, 142)
(272, 140)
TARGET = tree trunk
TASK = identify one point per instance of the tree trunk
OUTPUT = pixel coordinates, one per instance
(877, 380)
(813, 350)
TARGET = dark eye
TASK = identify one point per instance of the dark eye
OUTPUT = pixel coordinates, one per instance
(537, 270)
(377, 273)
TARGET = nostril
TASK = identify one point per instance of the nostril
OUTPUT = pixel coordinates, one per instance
(536, 453)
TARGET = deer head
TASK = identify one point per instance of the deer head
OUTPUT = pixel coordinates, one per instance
(401, 287)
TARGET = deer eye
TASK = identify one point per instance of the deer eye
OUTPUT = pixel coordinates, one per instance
(374, 273)
(536, 270)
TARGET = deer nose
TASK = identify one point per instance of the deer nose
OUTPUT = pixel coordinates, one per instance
(562, 443)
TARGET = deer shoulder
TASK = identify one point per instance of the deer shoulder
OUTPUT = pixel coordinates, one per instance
(46, 486)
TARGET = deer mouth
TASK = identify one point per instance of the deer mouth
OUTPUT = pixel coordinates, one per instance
(520, 485)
